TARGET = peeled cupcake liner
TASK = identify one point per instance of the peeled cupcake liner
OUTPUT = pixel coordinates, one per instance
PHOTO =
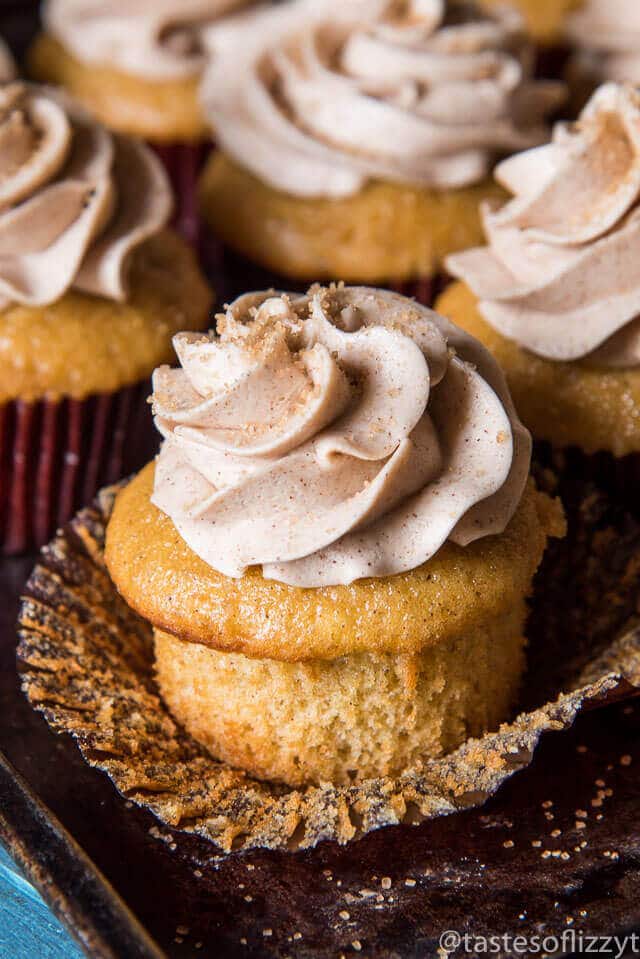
(55, 454)
(184, 163)
(87, 665)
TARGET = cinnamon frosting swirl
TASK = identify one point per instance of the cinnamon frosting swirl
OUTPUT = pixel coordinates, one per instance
(318, 96)
(561, 273)
(607, 35)
(75, 200)
(152, 39)
(335, 436)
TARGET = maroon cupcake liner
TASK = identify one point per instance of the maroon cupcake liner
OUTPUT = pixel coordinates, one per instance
(55, 455)
(618, 477)
(425, 291)
(183, 163)
(232, 274)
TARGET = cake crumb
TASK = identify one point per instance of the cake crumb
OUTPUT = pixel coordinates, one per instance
(508, 844)
(410, 882)
(385, 882)
(625, 760)
(344, 914)
(357, 945)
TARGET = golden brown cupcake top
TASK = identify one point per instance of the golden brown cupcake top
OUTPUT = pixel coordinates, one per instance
(335, 436)
(318, 96)
(156, 40)
(75, 200)
(561, 273)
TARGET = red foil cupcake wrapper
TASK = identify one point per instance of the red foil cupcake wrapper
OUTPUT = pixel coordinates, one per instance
(55, 455)
(183, 163)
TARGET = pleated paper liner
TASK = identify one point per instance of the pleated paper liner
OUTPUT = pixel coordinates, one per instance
(183, 163)
(86, 663)
(56, 454)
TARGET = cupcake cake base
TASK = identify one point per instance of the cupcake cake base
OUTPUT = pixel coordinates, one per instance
(387, 235)
(584, 651)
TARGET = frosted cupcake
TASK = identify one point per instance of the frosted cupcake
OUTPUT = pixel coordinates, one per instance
(605, 35)
(357, 139)
(336, 542)
(556, 292)
(92, 288)
(136, 66)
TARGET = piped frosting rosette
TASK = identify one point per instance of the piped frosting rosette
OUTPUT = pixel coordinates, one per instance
(607, 35)
(75, 200)
(318, 96)
(153, 39)
(561, 273)
(335, 436)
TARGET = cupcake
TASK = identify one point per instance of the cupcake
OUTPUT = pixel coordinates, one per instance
(137, 66)
(555, 294)
(357, 139)
(92, 288)
(605, 35)
(337, 540)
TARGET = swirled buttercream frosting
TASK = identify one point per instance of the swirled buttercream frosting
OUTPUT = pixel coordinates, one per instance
(561, 273)
(318, 96)
(607, 34)
(75, 200)
(335, 436)
(153, 39)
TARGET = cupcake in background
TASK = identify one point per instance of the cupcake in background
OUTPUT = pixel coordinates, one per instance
(92, 288)
(356, 140)
(546, 20)
(605, 36)
(136, 65)
(555, 294)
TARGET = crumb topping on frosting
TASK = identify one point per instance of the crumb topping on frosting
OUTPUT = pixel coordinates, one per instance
(153, 39)
(561, 273)
(330, 437)
(75, 200)
(317, 96)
